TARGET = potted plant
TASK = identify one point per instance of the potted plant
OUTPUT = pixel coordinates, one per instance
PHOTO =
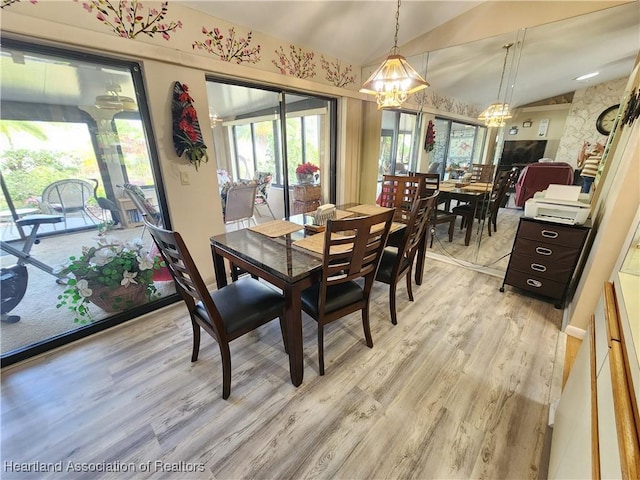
(112, 275)
(305, 172)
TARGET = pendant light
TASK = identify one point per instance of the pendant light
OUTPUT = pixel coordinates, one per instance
(114, 101)
(496, 113)
(395, 79)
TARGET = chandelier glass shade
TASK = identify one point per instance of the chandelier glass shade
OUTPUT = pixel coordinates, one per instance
(395, 79)
(116, 102)
(496, 113)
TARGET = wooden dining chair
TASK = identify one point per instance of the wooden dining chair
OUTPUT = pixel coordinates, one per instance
(489, 207)
(400, 192)
(352, 251)
(225, 314)
(398, 262)
(482, 172)
(439, 214)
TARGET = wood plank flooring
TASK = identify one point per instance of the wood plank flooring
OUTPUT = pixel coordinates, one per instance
(460, 388)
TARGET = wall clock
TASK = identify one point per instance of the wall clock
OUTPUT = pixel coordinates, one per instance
(605, 121)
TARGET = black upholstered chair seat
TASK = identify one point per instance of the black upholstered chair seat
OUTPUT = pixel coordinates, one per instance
(388, 261)
(338, 296)
(237, 304)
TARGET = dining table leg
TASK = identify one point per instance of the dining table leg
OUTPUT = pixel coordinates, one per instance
(293, 322)
(470, 222)
(219, 268)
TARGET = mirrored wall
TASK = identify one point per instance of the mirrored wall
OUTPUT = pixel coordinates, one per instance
(551, 109)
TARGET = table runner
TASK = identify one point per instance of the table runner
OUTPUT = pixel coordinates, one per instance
(368, 209)
(276, 228)
(315, 243)
(479, 187)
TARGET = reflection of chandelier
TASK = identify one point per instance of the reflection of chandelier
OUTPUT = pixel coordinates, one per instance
(496, 113)
(395, 79)
(115, 101)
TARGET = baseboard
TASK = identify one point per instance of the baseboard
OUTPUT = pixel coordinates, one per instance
(575, 332)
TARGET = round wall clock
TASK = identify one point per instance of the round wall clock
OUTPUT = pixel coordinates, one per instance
(606, 120)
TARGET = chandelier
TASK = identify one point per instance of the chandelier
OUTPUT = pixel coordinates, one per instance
(395, 79)
(496, 113)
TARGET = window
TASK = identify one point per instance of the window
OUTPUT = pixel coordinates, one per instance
(398, 152)
(457, 146)
(73, 132)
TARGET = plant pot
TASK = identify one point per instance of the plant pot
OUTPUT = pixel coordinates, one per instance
(304, 178)
(120, 298)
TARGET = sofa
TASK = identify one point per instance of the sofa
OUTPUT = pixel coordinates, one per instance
(536, 177)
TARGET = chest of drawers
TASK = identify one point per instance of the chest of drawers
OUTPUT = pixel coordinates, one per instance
(544, 257)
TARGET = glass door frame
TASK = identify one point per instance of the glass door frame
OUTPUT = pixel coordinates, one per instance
(281, 142)
(135, 69)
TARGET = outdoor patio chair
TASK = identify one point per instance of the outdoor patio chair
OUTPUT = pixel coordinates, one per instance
(66, 197)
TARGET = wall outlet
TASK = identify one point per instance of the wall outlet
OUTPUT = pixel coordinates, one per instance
(184, 178)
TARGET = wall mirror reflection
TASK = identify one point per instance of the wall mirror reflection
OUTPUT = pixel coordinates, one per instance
(554, 113)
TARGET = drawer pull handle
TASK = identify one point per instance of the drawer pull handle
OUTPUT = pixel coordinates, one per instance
(538, 268)
(544, 251)
(534, 283)
(549, 234)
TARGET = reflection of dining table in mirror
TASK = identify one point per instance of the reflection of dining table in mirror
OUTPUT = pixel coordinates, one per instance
(472, 194)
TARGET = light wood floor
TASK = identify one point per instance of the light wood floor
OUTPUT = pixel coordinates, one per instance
(460, 388)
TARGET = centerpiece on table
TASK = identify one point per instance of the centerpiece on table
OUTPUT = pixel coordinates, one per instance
(112, 275)
(305, 173)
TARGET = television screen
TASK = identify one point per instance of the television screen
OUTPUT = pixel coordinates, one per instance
(521, 152)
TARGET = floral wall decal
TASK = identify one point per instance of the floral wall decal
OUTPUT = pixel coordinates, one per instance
(231, 49)
(335, 74)
(187, 137)
(126, 18)
(300, 64)
(6, 3)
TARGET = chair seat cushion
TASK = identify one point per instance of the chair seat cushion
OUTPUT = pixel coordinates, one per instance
(462, 209)
(338, 296)
(245, 304)
(388, 261)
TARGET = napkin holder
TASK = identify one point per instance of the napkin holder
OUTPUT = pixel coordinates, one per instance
(320, 217)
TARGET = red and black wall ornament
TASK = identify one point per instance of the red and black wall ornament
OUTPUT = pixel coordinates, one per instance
(187, 137)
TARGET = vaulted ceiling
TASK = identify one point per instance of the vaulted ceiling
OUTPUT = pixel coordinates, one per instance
(546, 60)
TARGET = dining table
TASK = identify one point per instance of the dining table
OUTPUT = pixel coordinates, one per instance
(285, 254)
(473, 194)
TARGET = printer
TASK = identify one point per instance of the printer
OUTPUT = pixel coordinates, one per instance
(559, 204)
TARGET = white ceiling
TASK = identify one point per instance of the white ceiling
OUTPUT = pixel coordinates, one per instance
(362, 32)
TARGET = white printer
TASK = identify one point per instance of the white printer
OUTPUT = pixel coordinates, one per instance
(559, 204)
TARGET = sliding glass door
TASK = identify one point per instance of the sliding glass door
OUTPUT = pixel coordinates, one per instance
(74, 131)
(261, 132)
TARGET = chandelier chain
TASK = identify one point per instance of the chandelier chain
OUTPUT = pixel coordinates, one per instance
(504, 67)
(395, 37)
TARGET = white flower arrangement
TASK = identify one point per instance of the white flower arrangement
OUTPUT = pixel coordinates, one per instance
(109, 265)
